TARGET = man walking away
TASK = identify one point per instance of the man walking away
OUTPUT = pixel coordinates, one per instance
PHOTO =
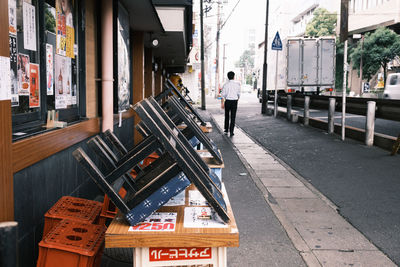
(230, 96)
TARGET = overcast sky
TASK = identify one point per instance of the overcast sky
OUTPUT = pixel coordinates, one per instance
(247, 14)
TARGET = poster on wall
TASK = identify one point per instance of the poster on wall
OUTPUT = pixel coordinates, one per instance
(23, 74)
(65, 28)
(67, 81)
(29, 26)
(12, 17)
(124, 78)
(34, 86)
(13, 71)
(5, 78)
(69, 42)
(60, 96)
(73, 84)
(49, 69)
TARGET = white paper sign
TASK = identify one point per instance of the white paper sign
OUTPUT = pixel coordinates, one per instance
(5, 79)
(196, 198)
(202, 217)
(178, 200)
(29, 25)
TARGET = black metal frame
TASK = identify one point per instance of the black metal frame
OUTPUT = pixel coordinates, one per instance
(170, 85)
(157, 121)
(180, 112)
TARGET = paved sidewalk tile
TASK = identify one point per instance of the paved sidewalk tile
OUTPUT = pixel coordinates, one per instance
(274, 174)
(291, 192)
(279, 182)
(268, 167)
(355, 259)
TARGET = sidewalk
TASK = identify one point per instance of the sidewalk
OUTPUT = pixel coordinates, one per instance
(321, 235)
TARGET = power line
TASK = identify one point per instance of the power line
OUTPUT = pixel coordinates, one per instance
(223, 24)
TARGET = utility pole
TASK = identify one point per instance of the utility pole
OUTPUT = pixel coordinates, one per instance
(223, 60)
(265, 66)
(203, 95)
(344, 19)
(217, 52)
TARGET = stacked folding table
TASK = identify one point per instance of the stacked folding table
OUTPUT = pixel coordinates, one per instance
(176, 210)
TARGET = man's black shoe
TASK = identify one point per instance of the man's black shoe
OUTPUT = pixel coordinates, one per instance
(225, 132)
(232, 134)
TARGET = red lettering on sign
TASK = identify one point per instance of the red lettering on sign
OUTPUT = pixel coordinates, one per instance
(176, 254)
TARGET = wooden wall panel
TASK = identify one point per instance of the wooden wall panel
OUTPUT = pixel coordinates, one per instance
(36, 148)
(6, 176)
(91, 60)
(148, 73)
(138, 74)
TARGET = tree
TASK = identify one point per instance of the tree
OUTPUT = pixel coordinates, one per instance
(322, 24)
(380, 47)
(246, 60)
(50, 21)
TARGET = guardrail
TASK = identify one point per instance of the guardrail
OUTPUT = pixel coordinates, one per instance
(385, 108)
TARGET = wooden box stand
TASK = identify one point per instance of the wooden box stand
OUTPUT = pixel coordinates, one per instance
(181, 247)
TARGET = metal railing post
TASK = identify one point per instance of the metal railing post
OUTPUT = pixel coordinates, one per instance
(306, 110)
(289, 107)
(370, 123)
(331, 115)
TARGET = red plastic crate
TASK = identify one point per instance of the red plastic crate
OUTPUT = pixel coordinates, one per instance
(73, 208)
(109, 210)
(72, 243)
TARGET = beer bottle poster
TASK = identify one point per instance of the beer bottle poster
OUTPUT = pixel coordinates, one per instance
(67, 81)
(34, 87)
(59, 76)
(23, 74)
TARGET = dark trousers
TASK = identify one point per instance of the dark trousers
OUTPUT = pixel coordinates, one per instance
(230, 107)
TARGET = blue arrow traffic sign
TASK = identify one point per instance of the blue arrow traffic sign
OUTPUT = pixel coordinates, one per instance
(277, 43)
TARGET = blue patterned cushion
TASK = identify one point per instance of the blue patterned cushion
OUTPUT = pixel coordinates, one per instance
(194, 141)
(157, 199)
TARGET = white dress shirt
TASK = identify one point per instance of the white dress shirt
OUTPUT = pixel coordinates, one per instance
(231, 90)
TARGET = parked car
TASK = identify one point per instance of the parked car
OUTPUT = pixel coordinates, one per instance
(392, 89)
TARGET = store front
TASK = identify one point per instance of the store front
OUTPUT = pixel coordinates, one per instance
(84, 63)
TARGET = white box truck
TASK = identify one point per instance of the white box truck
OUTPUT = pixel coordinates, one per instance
(310, 64)
(306, 65)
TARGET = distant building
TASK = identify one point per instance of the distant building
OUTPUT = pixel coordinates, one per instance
(366, 16)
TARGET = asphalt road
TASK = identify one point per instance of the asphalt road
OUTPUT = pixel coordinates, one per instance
(364, 182)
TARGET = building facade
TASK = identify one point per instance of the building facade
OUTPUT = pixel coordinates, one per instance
(88, 61)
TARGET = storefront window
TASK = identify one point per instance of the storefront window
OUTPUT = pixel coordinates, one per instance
(44, 62)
